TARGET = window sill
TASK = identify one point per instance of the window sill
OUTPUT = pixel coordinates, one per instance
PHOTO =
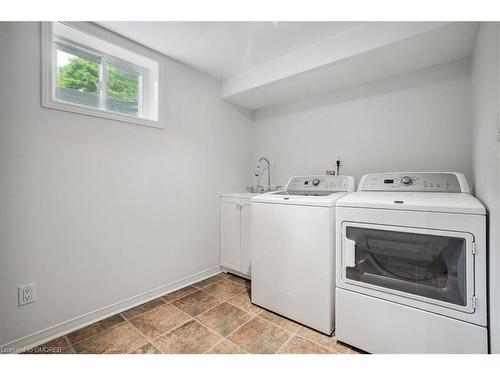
(68, 107)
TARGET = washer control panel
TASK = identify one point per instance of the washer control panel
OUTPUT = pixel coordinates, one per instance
(320, 184)
(428, 182)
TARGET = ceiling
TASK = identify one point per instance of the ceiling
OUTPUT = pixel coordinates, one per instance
(267, 63)
(358, 56)
(224, 49)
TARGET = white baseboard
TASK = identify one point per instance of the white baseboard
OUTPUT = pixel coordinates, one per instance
(40, 337)
(237, 273)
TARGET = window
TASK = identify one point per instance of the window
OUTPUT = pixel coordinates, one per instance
(90, 71)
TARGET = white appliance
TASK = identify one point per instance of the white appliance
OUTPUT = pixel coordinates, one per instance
(293, 249)
(411, 265)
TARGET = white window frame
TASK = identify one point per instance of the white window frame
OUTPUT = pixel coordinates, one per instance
(49, 73)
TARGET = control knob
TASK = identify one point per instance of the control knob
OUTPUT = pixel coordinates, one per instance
(315, 182)
(406, 181)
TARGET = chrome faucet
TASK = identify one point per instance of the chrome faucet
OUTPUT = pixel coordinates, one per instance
(257, 171)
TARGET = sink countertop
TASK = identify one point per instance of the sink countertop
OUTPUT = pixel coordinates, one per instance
(238, 195)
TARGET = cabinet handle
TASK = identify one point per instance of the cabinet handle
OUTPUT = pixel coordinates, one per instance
(241, 204)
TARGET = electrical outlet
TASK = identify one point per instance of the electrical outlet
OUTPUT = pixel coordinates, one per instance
(26, 293)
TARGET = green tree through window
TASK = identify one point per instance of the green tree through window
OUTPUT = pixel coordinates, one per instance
(80, 74)
(122, 85)
(83, 75)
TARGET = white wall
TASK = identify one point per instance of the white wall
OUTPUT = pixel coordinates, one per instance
(485, 155)
(96, 211)
(416, 122)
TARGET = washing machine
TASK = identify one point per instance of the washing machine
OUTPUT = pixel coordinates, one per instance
(293, 249)
(411, 265)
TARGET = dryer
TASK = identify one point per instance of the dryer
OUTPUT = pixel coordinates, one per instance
(293, 249)
(411, 265)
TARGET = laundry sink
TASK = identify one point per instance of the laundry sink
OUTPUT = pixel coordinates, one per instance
(261, 189)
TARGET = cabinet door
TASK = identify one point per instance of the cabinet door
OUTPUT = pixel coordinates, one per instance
(230, 234)
(245, 239)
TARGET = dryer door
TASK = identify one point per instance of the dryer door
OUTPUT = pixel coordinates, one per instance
(431, 266)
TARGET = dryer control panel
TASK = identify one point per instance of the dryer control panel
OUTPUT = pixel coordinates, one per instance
(321, 185)
(446, 182)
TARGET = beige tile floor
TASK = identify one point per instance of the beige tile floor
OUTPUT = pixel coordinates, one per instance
(212, 316)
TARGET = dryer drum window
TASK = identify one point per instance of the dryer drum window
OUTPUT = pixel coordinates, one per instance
(421, 264)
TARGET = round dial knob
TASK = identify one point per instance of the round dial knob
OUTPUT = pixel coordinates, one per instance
(315, 182)
(406, 181)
